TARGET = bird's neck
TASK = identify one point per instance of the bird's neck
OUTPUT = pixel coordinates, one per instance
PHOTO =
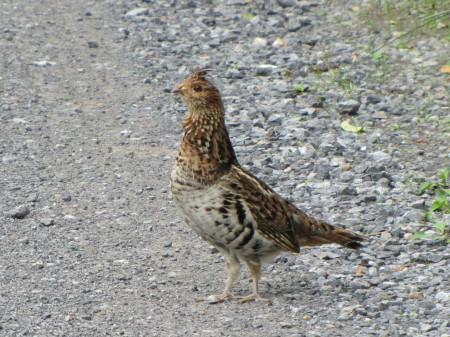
(206, 149)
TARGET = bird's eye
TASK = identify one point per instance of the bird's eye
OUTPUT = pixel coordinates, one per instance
(198, 88)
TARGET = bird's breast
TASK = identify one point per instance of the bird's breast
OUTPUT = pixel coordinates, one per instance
(221, 223)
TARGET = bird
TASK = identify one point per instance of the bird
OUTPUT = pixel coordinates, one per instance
(229, 207)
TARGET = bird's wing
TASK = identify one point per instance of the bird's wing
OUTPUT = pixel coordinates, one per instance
(270, 211)
(280, 221)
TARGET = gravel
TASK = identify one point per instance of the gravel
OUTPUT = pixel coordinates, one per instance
(91, 243)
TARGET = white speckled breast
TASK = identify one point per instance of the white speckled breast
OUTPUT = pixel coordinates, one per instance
(223, 223)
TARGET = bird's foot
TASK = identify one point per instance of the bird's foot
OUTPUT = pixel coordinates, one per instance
(252, 297)
(213, 299)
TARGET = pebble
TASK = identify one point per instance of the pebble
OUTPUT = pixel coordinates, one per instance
(259, 42)
(212, 299)
(33, 197)
(93, 44)
(373, 99)
(44, 63)
(286, 3)
(66, 198)
(349, 107)
(20, 121)
(443, 296)
(137, 12)
(380, 156)
(19, 212)
(413, 216)
(427, 305)
(265, 69)
(47, 222)
(279, 43)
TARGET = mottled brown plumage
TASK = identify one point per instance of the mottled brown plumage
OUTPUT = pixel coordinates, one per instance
(226, 205)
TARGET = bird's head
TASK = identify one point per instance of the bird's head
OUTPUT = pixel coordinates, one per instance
(198, 91)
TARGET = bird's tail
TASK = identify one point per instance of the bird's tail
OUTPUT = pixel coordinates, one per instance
(315, 233)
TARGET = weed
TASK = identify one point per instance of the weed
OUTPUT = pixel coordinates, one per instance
(341, 79)
(299, 88)
(441, 234)
(405, 18)
(441, 203)
(377, 55)
(300, 116)
(346, 126)
(395, 127)
(233, 67)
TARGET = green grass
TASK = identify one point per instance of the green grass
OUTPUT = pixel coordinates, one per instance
(402, 23)
(413, 17)
(441, 203)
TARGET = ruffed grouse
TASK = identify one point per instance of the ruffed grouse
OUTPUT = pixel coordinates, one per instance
(229, 207)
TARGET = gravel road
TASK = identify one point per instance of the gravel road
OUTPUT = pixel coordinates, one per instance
(91, 244)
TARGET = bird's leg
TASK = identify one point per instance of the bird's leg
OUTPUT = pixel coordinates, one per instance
(233, 267)
(255, 269)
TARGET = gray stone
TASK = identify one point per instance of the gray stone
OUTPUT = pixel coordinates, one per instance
(414, 216)
(265, 69)
(47, 222)
(19, 212)
(419, 204)
(373, 99)
(286, 3)
(349, 190)
(33, 197)
(327, 255)
(427, 327)
(275, 119)
(349, 107)
(323, 172)
(427, 305)
(294, 24)
(93, 44)
(137, 12)
(259, 42)
(380, 156)
(66, 198)
(44, 63)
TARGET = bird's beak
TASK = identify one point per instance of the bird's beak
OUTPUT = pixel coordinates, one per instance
(176, 90)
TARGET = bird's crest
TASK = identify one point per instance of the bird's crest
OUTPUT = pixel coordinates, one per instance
(199, 74)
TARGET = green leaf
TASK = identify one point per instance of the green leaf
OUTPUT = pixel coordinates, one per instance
(445, 191)
(440, 225)
(378, 55)
(444, 174)
(402, 45)
(426, 185)
(345, 125)
(422, 234)
(299, 87)
(440, 200)
(428, 215)
(395, 127)
(248, 16)
(436, 205)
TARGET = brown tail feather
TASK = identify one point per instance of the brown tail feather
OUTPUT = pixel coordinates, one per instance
(341, 236)
(313, 233)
